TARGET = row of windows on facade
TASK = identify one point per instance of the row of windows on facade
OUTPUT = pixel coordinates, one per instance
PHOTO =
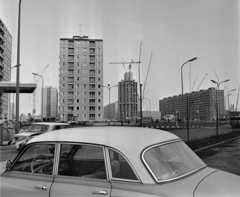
(83, 42)
(79, 71)
(85, 57)
(81, 93)
(83, 108)
(78, 49)
(82, 86)
(91, 101)
(84, 64)
(91, 79)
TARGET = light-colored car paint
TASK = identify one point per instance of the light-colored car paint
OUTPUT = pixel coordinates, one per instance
(131, 142)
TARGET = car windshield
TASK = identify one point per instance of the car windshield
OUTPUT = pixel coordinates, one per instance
(170, 161)
(38, 128)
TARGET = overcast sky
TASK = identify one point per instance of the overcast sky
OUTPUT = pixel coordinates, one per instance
(174, 31)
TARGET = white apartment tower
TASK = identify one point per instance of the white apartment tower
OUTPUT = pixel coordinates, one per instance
(81, 79)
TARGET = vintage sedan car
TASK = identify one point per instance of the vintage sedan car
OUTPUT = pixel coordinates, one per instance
(112, 161)
(35, 129)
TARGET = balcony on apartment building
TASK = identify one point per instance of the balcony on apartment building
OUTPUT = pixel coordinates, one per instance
(92, 87)
(71, 58)
(92, 94)
(70, 73)
(1, 64)
(70, 65)
(91, 110)
(91, 116)
(92, 58)
(92, 51)
(70, 44)
(1, 37)
(70, 94)
(1, 47)
(91, 44)
(70, 79)
(1, 56)
(70, 87)
(91, 79)
(92, 102)
(71, 51)
(70, 102)
(91, 72)
(92, 66)
(1, 73)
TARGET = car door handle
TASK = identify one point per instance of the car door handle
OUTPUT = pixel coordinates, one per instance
(103, 192)
(43, 187)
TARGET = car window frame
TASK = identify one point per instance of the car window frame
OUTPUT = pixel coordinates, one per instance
(24, 150)
(111, 178)
(149, 169)
(80, 143)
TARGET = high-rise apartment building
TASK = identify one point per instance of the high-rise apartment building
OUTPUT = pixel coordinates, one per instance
(50, 104)
(81, 79)
(127, 98)
(202, 104)
(5, 67)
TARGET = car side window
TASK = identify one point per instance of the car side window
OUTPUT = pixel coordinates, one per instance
(120, 167)
(37, 158)
(57, 127)
(84, 161)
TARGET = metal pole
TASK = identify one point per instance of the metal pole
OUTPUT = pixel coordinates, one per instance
(187, 120)
(109, 105)
(42, 95)
(18, 70)
(140, 105)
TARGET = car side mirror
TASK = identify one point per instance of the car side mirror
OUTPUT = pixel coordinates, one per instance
(8, 165)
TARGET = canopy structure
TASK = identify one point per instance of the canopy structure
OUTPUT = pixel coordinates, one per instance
(10, 87)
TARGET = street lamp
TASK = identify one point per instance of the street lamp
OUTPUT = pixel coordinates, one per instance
(150, 107)
(42, 91)
(18, 70)
(109, 88)
(182, 83)
(229, 95)
(218, 84)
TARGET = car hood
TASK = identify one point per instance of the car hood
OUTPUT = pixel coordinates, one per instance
(219, 183)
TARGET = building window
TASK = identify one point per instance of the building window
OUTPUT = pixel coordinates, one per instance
(84, 115)
(99, 93)
(84, 93)
(63, 63)
(99, 108)
(77, 100)
(84, 49)
(77, 108)
(84, 100)
(84, 63)
(99, 79)
(99, 86)
(84, 57)
(99, 100)
(84, 71)
(78, 64)
(99, 71)
(84, 85)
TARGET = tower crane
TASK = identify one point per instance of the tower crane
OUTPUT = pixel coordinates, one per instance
(123, 63)
(34, 93)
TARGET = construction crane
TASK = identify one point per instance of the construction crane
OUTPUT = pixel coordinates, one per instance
(123, 63)
(34, 93)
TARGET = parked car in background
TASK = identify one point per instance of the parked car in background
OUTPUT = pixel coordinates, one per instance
(113, 161)
(35, 129)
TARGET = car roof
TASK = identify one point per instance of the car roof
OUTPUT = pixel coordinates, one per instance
(117, 137)
(50, 123)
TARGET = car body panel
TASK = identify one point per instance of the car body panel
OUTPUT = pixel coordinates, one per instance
(83, 187)
(219, 184)
(24, 184)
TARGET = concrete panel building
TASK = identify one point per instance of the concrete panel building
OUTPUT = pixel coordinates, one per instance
(127, 98)
(81, 79)
(202, 105)
(111, 111)
(5, 67)
(50, 104)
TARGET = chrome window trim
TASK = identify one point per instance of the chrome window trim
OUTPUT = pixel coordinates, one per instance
(151, 172)
(110, 171)
(86, 144)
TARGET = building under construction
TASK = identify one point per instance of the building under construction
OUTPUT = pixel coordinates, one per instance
(127, 98)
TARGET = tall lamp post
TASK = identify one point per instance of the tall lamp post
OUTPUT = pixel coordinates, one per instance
(42, 92)
(182, 84)
(218, 84)
(109, 88)
(18, 70)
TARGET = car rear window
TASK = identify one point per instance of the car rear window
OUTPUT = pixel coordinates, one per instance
(170, 161)
(38, 128)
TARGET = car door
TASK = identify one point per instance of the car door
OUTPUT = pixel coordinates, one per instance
(31, 173)
(81, 171)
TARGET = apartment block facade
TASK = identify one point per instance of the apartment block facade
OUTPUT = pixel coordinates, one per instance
(50, 104)
(127, 98)
(81, 79)
(5, 67)
(202, 105)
